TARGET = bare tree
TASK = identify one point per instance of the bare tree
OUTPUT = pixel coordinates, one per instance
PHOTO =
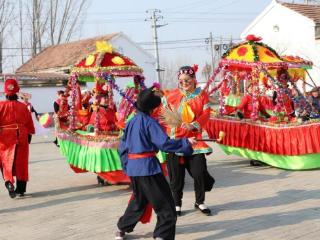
(20, 24)
(6, 16)
(169, 75)
(64, 19)
(53, 21)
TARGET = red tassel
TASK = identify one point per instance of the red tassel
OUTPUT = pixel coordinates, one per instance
(146, 217)
(181, 160)
(164, 169)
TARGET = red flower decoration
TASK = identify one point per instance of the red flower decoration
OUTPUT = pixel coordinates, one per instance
(242, 51)
(253, 38)
(195, 67)
(269, 53)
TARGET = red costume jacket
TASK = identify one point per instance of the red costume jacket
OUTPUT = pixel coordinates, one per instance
(198, 111)
(15, 125)
(246, 106)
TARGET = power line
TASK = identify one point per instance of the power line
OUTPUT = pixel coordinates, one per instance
(181, 47)
(189, 41)
(177, 12)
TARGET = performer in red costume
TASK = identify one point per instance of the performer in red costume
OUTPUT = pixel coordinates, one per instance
(193, 105)
(281, 100)
(61, 107)
(245, 108)
(104, 113)
(15, 127)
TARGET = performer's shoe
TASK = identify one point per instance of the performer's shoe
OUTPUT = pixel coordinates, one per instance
(203, 208)
(56, 143)
(10, 188)
(178, 211)
(21, 194)
(119, 235)
(158, 238)
(256, 163)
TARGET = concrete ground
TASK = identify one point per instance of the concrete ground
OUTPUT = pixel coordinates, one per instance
(247, 203)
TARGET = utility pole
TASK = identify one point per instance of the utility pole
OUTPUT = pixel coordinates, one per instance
(155, 17)
(210, 42)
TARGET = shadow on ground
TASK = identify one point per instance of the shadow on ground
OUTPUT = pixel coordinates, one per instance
(230, 228)
(68, 199)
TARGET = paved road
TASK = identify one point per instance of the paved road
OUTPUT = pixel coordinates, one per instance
(248, 203)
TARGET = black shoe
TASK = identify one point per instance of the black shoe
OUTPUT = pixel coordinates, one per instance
(56, 143)
(203, 208)
(257, 163)
(178, 211)
(10, 188)
(21, 194)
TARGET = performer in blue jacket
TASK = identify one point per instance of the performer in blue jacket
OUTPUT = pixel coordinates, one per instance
(143, 138)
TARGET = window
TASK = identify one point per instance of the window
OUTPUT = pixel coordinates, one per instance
(317, 31)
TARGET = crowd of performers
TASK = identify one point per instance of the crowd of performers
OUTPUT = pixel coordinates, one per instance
(286, 100)
(144, 135)
(96, 106)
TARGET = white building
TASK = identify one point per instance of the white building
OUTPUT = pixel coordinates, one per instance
(48, 71)
(291, 29)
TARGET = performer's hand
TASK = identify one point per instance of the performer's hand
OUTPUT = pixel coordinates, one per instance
(187, 126)
(192, 140)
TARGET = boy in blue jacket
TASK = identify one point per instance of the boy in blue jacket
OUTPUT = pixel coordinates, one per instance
(143, 138)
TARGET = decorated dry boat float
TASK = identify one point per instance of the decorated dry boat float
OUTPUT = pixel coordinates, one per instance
(280, 141)
(86, 147)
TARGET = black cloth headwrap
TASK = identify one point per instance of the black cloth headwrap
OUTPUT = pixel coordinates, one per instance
(147, 100)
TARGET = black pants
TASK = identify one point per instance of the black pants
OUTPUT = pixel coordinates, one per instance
(21, 187)
(155, 190)
(196, 165)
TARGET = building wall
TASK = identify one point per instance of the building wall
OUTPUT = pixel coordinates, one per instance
(42, 97)
(289, 33)
(138, 55)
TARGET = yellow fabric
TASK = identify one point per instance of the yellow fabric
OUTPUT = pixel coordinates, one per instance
(117, 60)
(89, 60)
(187, 114)
(295, 73)
(263, 57)
(248, 57)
